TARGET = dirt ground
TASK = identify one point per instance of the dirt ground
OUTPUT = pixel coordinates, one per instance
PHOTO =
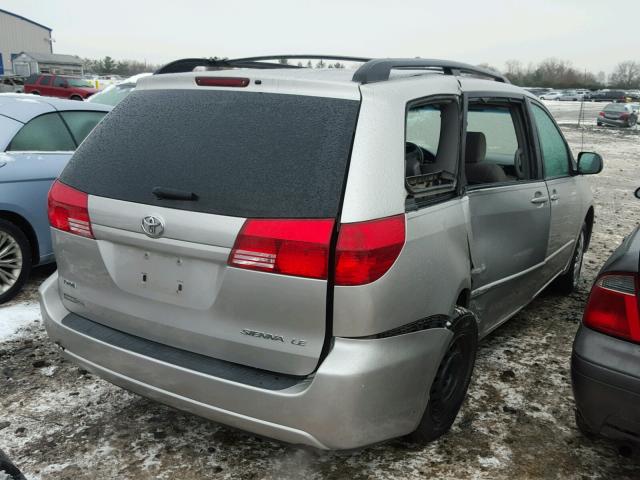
(57, 421)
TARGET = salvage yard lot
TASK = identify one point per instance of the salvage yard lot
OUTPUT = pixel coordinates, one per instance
(57, 421)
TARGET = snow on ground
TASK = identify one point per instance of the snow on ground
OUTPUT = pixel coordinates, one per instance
(15, 317)
(57, 421)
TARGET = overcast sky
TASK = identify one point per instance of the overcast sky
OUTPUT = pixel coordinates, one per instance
(592, 34)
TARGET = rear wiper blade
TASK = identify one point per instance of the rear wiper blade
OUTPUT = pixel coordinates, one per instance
(166, 193)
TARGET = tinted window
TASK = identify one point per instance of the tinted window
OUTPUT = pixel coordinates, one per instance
(555, 155)
(46, 133)
(60, 82)
(45, 80)
(243, 154)
(81, 123)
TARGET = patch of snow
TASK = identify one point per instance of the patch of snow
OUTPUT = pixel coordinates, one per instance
(15, 317)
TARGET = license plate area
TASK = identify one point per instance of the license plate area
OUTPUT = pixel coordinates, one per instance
(175, 279)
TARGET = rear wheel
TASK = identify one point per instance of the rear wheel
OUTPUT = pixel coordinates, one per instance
(568, 282)
(15, 260)
(35, 93)
(76, 97)
(632, 121)
(449, 387)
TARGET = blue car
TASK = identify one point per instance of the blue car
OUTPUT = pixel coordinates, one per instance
(37, 138)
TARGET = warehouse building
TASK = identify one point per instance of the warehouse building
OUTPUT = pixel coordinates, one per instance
(28, 63)
(19, 35)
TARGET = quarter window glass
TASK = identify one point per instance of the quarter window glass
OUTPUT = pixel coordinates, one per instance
(46, 133)
(555, 155)
(81, 123)
(45, 80)
(59, 82)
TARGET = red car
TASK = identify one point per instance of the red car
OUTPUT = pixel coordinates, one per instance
(60, 86)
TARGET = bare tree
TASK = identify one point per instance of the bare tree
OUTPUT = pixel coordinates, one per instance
(626, 75)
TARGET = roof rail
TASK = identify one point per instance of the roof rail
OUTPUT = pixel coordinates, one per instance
(188, 64)
(378, 70)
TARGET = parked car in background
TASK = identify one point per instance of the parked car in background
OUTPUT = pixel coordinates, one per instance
(73, 88)
(605, 365)
(553, 95)
(114, 94)
(609, 96)
(375, 268)
(618, 115)
(11, 84)
(571, 96)
(37, 138)
(537, 91)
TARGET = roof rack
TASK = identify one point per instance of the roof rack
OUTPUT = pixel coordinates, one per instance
(378, 70)
(188, 64)
(372, 70)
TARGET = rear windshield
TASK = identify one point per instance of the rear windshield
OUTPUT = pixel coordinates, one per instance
(242, 154)
(616, 107)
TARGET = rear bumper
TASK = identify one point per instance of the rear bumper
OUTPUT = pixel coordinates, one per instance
(365, 391)
(605, 373)
(612, 122)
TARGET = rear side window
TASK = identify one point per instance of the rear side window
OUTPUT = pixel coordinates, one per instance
(46, 133)
(60, 82)
(242, 154)
(45, 80)
(81, 123)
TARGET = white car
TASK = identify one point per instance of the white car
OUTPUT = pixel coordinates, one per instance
(572, 96)
(551, 96)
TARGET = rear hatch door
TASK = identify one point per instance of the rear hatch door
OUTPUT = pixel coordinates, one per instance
(158, 267)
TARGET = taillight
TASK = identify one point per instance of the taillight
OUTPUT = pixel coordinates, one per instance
(287, 246)
(68, 210)
(601, 114)
(613, 306)
(366, 250)
(222, 81)
(624, 116)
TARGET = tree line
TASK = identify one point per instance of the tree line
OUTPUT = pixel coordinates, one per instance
(552, 72)
(556, 73)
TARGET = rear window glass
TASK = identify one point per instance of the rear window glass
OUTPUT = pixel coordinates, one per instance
(243, 154)
(616, 107)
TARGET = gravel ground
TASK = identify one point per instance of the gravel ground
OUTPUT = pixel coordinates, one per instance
(57, 421)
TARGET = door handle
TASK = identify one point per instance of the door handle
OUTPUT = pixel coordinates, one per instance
(540, 199)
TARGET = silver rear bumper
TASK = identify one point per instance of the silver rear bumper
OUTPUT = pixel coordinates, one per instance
(365, 391)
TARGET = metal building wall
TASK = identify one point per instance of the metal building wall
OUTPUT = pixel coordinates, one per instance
(18, 35)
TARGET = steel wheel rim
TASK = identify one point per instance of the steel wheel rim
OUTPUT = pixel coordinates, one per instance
(577, 266)
(10, 261)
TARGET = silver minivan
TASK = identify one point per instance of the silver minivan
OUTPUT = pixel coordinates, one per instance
(311, 255)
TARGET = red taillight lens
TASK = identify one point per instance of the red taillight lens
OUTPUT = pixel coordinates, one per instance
(366, 250)
(222, 81)
(68, 210)
(624, 116)
(288, 247)
(613, 306)
(601, 114)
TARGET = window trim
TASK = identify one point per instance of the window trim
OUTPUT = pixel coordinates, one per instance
(73, 140)
(73, 137)
(411, 203)
(526, 132)
(572, 162)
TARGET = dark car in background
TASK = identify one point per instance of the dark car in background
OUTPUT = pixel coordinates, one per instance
(605, 365)
(618, 115)
(608, 96)
(61, 86)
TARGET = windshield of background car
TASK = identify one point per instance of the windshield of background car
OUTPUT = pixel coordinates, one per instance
(113, 94)
(242, 154)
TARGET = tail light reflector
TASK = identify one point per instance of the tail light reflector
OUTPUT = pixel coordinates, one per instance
(366, 250)
(613, 306)
(284, 246)
(222, 81)
(68, 210)
(601, 114)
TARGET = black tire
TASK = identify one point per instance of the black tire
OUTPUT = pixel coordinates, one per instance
(75, 97)
(568, 282)
(632, 122)
(599, 124)
(449, 387)
(35, 93)
(15, 260)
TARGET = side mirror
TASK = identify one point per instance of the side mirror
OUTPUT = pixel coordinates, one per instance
(637, 193)
(589, 163)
